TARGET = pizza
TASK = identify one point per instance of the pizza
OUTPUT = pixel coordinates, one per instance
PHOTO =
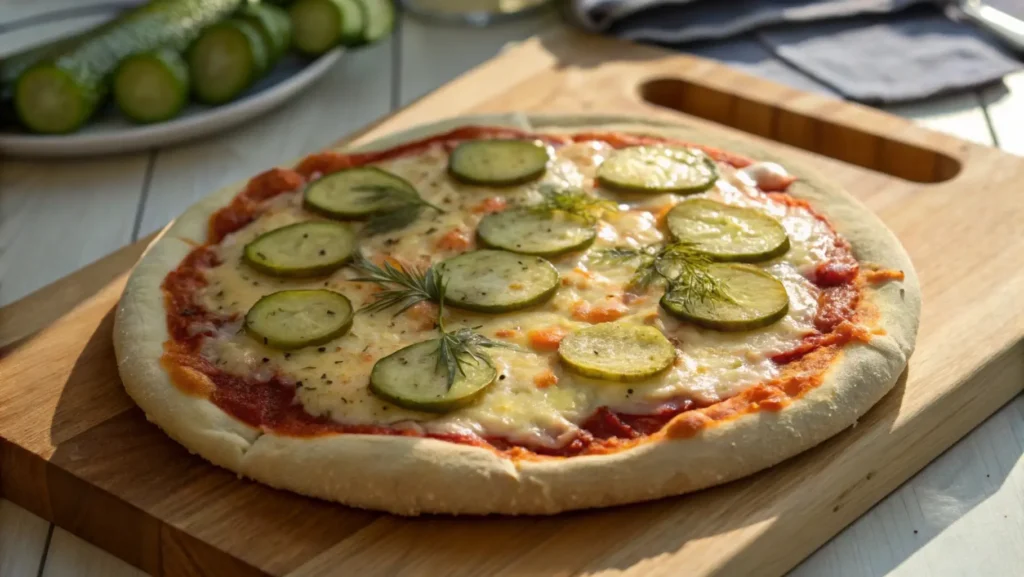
(517, 315)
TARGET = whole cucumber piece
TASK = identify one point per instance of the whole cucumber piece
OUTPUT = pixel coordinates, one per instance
(320, 25)
(151, 86)
(225, 60)
(274, 26)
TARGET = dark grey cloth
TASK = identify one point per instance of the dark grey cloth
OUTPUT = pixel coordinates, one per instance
(873, 51)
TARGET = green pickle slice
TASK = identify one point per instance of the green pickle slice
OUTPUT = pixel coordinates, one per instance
(617, 352)
(498, 162)
(757, 300)
(495, 281)
(293, 319)
(304, 249)
(347, 194)
(411, 378)
(657, 170)
(728, 233)
(540, 234)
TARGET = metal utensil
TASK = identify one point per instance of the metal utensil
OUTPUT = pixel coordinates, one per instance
(1005, 27)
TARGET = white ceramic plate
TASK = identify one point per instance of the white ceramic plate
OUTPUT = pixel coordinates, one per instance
(108, 132)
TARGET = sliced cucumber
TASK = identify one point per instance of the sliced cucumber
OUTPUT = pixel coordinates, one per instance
(378, 19)
(294, 319)
(274, 26)
(536, 233)
(495, 281)
(151, 86)
(52, 100)
(758, 300)
(411, 378)
(617, 352)
(658, 169)
(347, 194)
(301, 250)
(320, 25)
(498, 162)
(60, 86)
(728, 233)
(225, 60)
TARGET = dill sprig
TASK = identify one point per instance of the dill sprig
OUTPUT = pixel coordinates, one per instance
(405, 206)
(682, 267)
(460, 347)
(573, 201)
(404, 287)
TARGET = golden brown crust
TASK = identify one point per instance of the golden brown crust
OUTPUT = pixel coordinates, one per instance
(415, 475)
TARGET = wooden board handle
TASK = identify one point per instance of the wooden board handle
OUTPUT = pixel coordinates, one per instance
(844, 142)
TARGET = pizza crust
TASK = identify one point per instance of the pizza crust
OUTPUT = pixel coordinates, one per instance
(408, 476)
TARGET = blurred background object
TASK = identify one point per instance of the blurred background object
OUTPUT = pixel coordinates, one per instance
(122, 76)
(473, 12)
(871, 51)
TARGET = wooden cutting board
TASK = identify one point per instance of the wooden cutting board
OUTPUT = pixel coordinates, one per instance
(75, 449)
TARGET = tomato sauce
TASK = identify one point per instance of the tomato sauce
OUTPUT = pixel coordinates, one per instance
(272, 406)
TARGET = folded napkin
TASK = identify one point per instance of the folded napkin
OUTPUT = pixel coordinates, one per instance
(871, 51)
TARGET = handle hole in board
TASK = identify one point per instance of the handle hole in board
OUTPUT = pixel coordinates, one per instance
(841, 142)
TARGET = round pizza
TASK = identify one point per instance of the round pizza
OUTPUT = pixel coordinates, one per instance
(518, 315)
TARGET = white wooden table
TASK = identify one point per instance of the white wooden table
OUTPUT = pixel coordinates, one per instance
(962, 515)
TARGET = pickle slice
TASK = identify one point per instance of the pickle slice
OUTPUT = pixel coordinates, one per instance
(757, 300)
(293, 319)
(303, 249)
(728, 233)
(495, 281)
(498, 162)
(617, 351)
(411, 378)
(348, 194)
(658, 169)
(540, 234)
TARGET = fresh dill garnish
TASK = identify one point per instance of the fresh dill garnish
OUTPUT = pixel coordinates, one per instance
(396, 219)
(408, 286)
(403, 287)
(681, 265)
(573, 201)
(404, 207)
(457, 348)
(645, 257)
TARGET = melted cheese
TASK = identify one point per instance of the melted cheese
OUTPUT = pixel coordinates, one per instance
(710, 366)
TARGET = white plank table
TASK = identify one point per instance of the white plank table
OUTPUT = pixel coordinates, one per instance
(962, 515)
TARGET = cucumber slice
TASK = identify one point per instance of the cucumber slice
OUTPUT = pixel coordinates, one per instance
(658, 169)
(498, 162)
(294, 319)
(759, 300)
(152, 86)
(320, 25)
(274, 26)
(496, 281)
(728, 233)
(339, 194)
(617, 352)
(536, 233)
(411, 378)
(301, 250)
(225, 60)
(378, 19)
(51, 100)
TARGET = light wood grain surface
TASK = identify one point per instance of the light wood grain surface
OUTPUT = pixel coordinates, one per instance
(962, 515)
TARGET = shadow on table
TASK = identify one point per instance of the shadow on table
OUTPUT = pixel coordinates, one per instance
(934, 499)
